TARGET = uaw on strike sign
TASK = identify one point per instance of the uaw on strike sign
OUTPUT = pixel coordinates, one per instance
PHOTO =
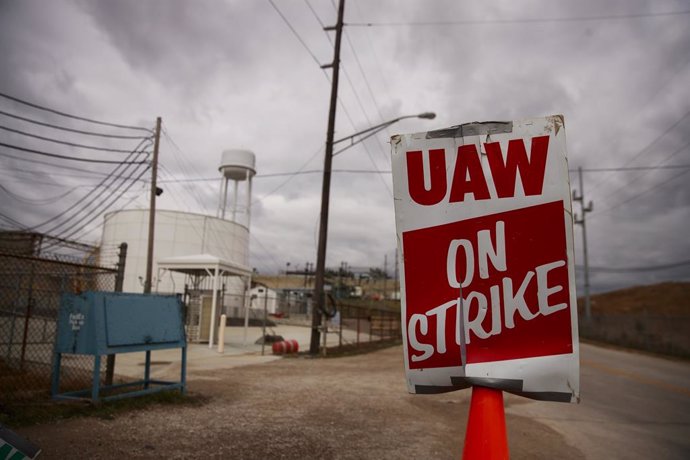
(484, 225)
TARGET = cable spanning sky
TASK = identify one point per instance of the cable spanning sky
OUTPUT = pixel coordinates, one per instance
(247, 74)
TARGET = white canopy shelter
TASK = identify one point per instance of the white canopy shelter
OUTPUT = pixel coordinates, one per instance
(215, 267)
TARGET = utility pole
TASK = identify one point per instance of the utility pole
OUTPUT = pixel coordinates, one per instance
(320, 275)
(585, 210)
(152, 207)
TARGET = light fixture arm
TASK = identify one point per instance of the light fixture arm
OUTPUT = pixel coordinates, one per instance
(377, 129)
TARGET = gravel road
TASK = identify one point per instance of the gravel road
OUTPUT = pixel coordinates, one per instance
(297, 408)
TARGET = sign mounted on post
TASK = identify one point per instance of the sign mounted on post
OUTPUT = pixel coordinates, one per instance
(485, 235)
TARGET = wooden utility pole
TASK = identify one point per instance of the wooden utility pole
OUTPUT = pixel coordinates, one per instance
(320, 275)
(152, 207)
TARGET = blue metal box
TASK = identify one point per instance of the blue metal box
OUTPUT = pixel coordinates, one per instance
(107, 323)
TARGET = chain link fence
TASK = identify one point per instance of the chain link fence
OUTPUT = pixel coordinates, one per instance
(30, 290)
(360, 325)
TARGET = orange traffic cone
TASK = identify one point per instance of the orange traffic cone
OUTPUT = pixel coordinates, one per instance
(486, 437)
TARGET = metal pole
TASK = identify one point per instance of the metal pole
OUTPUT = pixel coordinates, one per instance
(385, 276)
(224, 197)
(221, 333)
(152, 207)
(247, 300)
(263, 342)
(249, 198)
(27, 316)
(214, 304)
(119, 283)
(583, 222)
(325, 191)
(234, 201)
(395, 277)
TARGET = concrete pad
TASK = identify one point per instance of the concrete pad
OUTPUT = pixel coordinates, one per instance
(240, 350)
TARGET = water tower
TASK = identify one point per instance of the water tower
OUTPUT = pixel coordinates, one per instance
(237, 166)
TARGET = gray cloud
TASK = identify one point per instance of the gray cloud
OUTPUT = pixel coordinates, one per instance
(232, 75)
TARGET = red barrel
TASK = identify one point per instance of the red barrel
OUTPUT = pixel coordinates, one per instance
(285, 346)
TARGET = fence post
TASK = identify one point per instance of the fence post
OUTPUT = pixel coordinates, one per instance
(263, 329)
(27, 317)
(119, 283)
(358, 315)
(340, 328)
(10, 342)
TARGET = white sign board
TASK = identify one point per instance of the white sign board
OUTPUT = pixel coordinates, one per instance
(485, 238)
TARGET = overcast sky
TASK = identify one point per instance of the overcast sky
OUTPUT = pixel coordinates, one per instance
(232, 74)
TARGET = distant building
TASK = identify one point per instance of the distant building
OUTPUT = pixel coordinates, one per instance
(263, 297)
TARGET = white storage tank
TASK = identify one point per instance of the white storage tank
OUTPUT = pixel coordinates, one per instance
(176, 234)
(237, 166)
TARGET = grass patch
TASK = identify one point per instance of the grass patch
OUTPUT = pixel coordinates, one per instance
(36, 413)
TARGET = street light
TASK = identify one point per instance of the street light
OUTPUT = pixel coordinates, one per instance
(378, 128)
(320, 273)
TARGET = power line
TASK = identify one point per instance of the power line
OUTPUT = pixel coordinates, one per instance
(92, 199)
(294, 32)
(291, 176)
(388, 171)
(631, 168)
(186, 166)
(354, 91)
(34, 202)
(647, 268)
(645, 149)
(11, 221)
(625, 187)
(637, 195)
(290, 173)
(93, 195)
(105, 208)
(311, 8)
(53, 165)
(58, 141)
(75, 117)
(111, 188)
(269, 253)
(65, 157)
(64, 128)
(366, 80)
(474, 22)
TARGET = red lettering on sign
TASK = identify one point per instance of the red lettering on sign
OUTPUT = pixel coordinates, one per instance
(470, 177)
(531, 170)
(437, 170)
(508, 273)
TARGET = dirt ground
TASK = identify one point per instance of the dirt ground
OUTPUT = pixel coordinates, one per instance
(296, 408)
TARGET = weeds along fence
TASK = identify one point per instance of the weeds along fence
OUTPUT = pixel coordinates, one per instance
(30, 291)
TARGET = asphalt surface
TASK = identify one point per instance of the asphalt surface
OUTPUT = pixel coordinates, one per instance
(633, 406)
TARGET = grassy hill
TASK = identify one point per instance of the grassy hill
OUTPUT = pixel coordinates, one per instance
(653, 318)
(664, 299)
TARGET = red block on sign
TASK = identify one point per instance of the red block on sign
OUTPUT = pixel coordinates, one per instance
(509, 269)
